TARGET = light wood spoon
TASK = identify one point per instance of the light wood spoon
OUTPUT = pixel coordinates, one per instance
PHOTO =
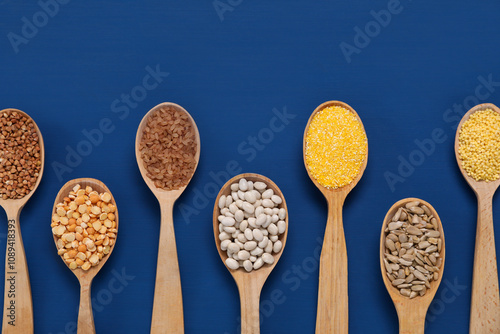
(18, 305)
(333, 310)
(249, 283)
(85, 277)
(411, 312)
(485, 302)
(168, 314)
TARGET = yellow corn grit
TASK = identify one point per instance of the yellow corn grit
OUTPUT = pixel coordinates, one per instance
(479, 145)
(336, 147)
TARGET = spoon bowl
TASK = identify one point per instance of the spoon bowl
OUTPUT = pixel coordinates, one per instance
(167, 306)
(85, 277)
(19, 320)
(411, 312)
(249, 283)
(332, 313)
(485, 300)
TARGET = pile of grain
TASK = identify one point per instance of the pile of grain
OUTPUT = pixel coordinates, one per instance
(168, 148)
(20, 156)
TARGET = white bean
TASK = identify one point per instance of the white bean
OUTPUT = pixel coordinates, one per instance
(220, 218)
(250, 185)
(253, 258)
(273, 238)
(239, 243)
(229, 200)
(268, 193)
(248, 265)
(239, 216)
(277, 246)
(242, 239)
(257, 203)
(224, 236)
(222, 201)
(248, 207)
(230, 229)
(233, 208)
(269, 247)
(234, 187)
(257, 235)
(243, 225)
(229, 214)
(241, 195)
(282, 213)
(239, 203)
(274, 219)
(232, 264)
(281, 226)
(259, 185)
(259, 210)
(257, 194)
(258, 263)
(228, 221)
(276, 199)
(268, 258)
(243, 184)
(250, 245)
(250, 197)
(243, 255)
(267, 203)
(261, 219)
(234, 195)
(273, 229)
(263, 243)
(233, 247)
(251, 222)
(257, 251)
(224, 244)
(221, 228)
(268, 211)
(248, 234)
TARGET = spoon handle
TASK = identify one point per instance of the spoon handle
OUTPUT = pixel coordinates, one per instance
(332, 314)
(249, 300)
(167, 306)
(18, 306)
(85, 316)
(412, 321)
(485, 303)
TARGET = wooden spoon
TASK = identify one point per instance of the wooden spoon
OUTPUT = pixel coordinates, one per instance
(85, 277)
(411, 312)
(332, 314)
(249, 283)
(168, 314)
(18, 306)
(485, 302)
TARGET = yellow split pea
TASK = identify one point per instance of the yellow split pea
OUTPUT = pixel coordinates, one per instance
(479, 145)
(336, 147)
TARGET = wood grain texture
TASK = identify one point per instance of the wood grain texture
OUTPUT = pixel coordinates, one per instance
(485, 300)
(249, 283)
(16, 268)
(411, 312)
(85, 316)
(333, 306)
(168, 315)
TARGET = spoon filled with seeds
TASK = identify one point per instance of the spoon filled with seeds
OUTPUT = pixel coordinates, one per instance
(412, 254)
(167, 149)
(335, 150)
(250, 224)
(22, 156)
(477, 149)
(85, 227)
